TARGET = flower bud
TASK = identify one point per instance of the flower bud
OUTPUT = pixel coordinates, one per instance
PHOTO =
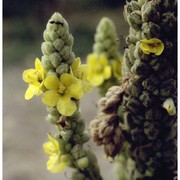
(65, 51)
(80, 127)
(151, 30)
(53, 35)
(55, 59)
(58, 44)
(82, 162)
(47, 48)
(52, 119)
(85, 137)
(68, 147)
(66, 158)
(77, 176)
(150, 11)
(46, 36)
(53, 111)
(70, 40)
(134, 20)
(66, 135)
(46, 62)
(141, 2)
(63, 68)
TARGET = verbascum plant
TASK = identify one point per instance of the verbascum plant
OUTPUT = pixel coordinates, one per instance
(145, 110)
(150, 99)
(105, 61)
(62, 80)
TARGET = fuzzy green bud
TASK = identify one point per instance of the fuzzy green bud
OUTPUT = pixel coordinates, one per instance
(47, 48)
(66, 135)
(46, 36)
(80, 127)
(53, 110)
(58, 44)
(82, 162)
(134, 20)
(46, 62)
(77, 176)
(85, 137)
(52, 119)
(55, 59)
(63, 68)
(150, 11)
(151, 30)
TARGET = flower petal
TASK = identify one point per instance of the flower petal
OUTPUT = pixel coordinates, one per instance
(38, 65)
(50, 98)
(51, 82)
(103, 60)
(92, 59)
(107, 72)
(76, 64)
(75, 90)
(66, 106)
(68, 79)
(53, 140)
(55, 166)
(160, 49)
(86, 85)
(96, 79)
(28, 74)
(31, 91)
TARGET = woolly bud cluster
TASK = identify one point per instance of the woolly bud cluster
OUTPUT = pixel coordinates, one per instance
(106, 128)
(150, 100)
(57, 48)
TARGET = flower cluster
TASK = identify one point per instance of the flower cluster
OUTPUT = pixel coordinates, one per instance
(153, 45)
(35, 78)
(105, 61)
(58, 161)
(150, 100)
(62, 80)
(62, 91)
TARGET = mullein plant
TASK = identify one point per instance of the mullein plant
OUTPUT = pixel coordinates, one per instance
(144, 107)
(62, 80)
(105, 61)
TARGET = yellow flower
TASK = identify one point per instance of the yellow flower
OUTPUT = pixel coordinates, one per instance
(62, 92)
(57, 162)
(100, 70)
(153, 45)
(35, 78)
(117, 68)
(169, 106)
(81, 72)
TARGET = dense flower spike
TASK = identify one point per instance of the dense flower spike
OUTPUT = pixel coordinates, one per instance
(63, 85)
(105, 62)
(35, 78)
(150, 99)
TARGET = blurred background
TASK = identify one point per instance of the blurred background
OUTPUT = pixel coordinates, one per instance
(24, 125)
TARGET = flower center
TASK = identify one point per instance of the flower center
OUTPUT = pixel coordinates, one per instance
(61, 88)
(98, 68)
(154, 45)
(37, 75)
